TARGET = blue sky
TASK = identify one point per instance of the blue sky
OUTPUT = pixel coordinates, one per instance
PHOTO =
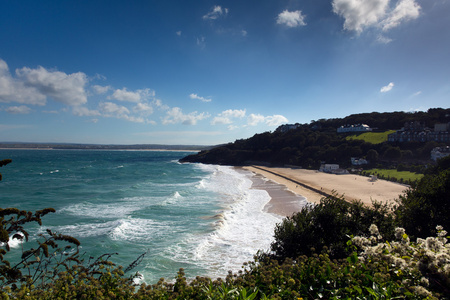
(209, 72)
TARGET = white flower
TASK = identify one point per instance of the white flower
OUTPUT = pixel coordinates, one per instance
(373, 229)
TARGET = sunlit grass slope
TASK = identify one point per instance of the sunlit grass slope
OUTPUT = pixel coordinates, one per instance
(371, 137)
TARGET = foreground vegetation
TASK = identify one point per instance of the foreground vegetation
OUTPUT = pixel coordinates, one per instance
(333, 250)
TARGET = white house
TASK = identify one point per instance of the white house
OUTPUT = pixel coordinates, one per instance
(440, 152)
(354, 128)
(328, 168)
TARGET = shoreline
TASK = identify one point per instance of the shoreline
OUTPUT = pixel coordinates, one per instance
(314, 185)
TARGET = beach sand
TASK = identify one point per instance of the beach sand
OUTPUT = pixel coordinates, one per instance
(314, 185)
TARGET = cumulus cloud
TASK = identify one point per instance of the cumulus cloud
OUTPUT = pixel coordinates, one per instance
(254, 120)
(18, 109)
(175, 115)
(361, 14)
(65, 88)
(404, 11)
(129, 96)
(226, 116)
(110, 109)
(82, 111)
(15, 90)
(387, 88)
(98, 89)
(197, 97)
(215, 13)
(275, 120)
(291, 18)
(143, 109)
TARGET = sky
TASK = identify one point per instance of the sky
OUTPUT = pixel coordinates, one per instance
(206, 72)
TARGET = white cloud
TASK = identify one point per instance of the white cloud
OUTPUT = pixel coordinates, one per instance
(83, 111)
(226, 116)
(215, 13)
(110, 109)
(143, 109)
(195, 96)
(291, 18)
(361, 14)
(18, 109)
(98, 89)
(387, 88)
(244, 32)
(61, 87)
(404, 11)
(178, 33)
(14, 90)
(254, 120)
(137, 96)
(175, 115)
(383, 40)
(275, 120)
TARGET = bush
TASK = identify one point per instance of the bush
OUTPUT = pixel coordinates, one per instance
(329, 223)
(427, 204)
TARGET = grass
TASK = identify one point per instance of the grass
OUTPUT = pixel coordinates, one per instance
(391, 173)
(371, 137)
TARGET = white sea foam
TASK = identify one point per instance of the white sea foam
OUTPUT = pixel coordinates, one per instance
(93, 210)
(13, 241)
(87, 230)
(138, 230)
(244, 229)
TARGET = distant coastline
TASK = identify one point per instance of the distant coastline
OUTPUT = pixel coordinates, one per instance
(69, 146)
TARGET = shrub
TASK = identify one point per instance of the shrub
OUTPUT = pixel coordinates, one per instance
(426, 205)
(328, 223)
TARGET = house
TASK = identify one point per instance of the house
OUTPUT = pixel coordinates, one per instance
(359, 161)
(440, 152)
(328, 168)
(287, 127)
(354, 128)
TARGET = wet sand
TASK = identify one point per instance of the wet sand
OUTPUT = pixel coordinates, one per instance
(314, 185)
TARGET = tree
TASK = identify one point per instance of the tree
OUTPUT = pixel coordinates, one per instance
(428, 203)
(372, 156)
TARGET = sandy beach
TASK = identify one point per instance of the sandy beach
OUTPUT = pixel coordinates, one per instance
(313, 185)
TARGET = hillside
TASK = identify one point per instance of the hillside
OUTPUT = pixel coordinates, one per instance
(309, 145)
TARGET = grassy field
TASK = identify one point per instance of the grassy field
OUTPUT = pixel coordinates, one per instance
(405, 175)
(371, 137)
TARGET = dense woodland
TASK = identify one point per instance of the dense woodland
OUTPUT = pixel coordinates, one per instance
(316, 142)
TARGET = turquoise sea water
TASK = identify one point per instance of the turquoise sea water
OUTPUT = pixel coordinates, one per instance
(204, 218)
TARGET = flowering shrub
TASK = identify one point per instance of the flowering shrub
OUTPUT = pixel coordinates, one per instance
(422, 266)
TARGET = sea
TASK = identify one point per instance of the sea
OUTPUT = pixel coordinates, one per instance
(207, 219)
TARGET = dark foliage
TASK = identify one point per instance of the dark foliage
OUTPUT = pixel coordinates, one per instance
(4, 163)
(329, 224)
(428, 204)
